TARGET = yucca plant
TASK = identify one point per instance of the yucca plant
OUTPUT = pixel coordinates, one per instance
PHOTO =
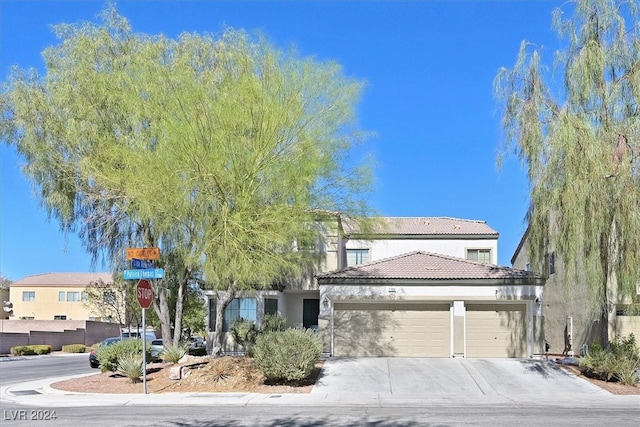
(173, 353)
(130, 366)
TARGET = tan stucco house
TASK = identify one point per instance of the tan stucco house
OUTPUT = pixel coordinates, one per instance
(55, 296)
(408, 286)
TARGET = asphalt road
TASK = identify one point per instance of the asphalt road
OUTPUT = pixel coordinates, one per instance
(18, 369)
(272, 416)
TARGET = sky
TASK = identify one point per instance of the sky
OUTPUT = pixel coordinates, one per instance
(428, 69)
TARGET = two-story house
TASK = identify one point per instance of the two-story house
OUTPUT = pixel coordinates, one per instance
(426, 287)
(569, 325)
(55, 296)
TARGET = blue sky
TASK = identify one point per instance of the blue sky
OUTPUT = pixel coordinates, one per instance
(428, 66)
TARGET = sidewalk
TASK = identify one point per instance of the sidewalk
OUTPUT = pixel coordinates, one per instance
(39, 393)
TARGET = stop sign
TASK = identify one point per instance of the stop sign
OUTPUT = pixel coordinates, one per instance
(144, 293)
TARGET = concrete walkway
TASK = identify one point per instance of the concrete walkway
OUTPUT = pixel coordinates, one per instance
(378, 382)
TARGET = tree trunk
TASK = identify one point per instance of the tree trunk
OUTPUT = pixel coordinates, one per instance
(223, 298)
(179, 307)
(161, 306)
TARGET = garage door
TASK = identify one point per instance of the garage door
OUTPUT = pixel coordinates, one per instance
(496, 330)
(383, 329)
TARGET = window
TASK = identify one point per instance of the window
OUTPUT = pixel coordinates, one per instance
(73, 296)
(60, 317)
(357, 256)
(61, 297)
(245, 308)
(270, 306)
(84, 296)
(479, 255)
(527, 267)
(109, 297)
(552, 263)
(28, 295)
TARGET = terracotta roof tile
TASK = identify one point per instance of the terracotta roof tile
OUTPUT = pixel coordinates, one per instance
(424, 226)
(421, 265)
(68, 279)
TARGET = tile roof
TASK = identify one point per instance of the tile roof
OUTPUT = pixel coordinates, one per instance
(423, 226)
(420, 265)
(67, 279)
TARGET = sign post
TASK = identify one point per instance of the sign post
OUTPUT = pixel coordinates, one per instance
(144, 293)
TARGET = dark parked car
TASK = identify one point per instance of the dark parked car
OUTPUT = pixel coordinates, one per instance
(94, 362)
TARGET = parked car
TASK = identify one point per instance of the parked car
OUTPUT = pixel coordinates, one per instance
(94, 362)
(157, 347)
(150, 336)
(197, 346)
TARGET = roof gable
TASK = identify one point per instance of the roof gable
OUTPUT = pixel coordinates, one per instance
(420, 265)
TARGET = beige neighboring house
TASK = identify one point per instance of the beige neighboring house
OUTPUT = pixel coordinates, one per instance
(55, 296)
(568, 325)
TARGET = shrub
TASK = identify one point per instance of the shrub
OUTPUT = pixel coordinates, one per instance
(109, 355)
(288, 355)
(30, 350)
(618, 363)
(22, 350)
(74, 348)
(130, 366)
(172, 353)
(244, 333)
(273, 323)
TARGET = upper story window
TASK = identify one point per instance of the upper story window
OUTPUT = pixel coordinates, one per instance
(73, 296)
(61, 296)
(28, 295)
(552, 263)
(479, 255)
(357, 256)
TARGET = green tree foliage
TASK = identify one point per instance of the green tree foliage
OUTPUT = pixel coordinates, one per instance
(219, 150)
(580, 142)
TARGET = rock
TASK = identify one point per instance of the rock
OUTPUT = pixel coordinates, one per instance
(175, 373)
(185, 372)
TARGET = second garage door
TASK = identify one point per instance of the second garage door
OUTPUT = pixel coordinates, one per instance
(496, 330)
(392, 329)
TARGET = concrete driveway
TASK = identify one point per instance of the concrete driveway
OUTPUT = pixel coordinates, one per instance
(450, 377)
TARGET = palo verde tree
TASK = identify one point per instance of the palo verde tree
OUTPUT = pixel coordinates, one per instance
(580, 143)
(222, 151)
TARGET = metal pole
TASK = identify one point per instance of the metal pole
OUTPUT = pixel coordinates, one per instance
(144, 350)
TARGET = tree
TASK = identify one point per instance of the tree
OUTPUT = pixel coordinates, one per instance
(5, 282)
(220, 151)
(580, 144)
(114, 300)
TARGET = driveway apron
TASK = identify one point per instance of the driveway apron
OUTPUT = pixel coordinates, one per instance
(449, 377)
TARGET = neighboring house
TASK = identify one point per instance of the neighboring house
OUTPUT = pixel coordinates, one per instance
(55, 296)
(568, 324)
(409, 287)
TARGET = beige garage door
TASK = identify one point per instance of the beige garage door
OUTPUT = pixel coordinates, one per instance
(496, 330)
(383, 329)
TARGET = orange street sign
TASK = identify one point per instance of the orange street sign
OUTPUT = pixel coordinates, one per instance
(143, 253)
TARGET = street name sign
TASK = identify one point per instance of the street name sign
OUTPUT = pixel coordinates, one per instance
(149, 273)
(144, 293)
(143, 253)
(141, 264)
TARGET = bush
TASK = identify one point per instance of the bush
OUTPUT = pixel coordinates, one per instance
(244, 333)
(618, 363)
(173, 353)
(74, 348)
(110, 355)
(288, 355)
(130, 366)
(273, 323)
(30, 350)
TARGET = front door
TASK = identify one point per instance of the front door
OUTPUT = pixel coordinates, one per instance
(310, 313)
